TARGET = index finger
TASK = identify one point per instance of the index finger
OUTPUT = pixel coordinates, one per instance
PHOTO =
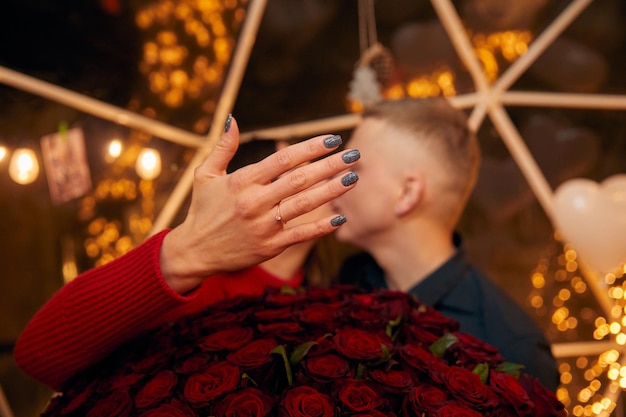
(290, 157)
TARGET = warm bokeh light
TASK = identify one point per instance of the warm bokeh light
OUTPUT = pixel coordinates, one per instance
(3, 152)
(187, 65)
(114, 149)
(492, 50)
(24, 166)
(592, 389)
(148, 165)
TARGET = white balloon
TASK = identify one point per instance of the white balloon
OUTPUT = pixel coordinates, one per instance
(592, 217)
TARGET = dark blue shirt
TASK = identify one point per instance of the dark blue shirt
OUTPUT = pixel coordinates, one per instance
(459, 291)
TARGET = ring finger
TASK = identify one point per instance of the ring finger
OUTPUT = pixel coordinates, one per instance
(312, 198)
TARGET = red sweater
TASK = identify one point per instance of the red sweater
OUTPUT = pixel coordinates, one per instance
(105, 306)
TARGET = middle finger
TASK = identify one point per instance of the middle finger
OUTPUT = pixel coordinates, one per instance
(311, 174)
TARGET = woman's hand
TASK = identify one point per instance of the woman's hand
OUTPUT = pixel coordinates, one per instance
(235, 221)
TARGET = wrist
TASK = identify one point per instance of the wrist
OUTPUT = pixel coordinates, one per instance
(176, 269)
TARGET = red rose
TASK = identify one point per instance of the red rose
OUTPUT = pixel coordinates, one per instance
(419, 358)
(314, 352)
(273, 298)
(372, 315)
(175, 408)
(423, 399)
(469, 351)
(328, 295)
(546, 403)
(227, 339)
(241, 303)
(320, 313)
(417, 334)
(253, 354)
(396, 302)
(288, 331)
(394, 381)
(305, 401)
(360, 344)
(152, 361)
(466, 387)
(326, 368)
(248, 402)
(375, 413)
(438, 372)
(118, 404)
(273, 314)
(193, 364)
(390, 304)
(216, 318)
(510, 391)
(432, 321)
(156, 390)
(209, 384)
(127, 380)
(323, 344)
(453, 409)
(358, 395)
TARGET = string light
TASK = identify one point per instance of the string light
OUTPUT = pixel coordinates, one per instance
(586, 392)
(24, 166)
(114, 150)
(490, 50)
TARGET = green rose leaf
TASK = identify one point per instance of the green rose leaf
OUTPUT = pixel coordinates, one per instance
(393, 324)
(280, 350)
(300, 352)
(360, 371)
(286, 289)
(441, 345)
(482, 370)
(511, 368)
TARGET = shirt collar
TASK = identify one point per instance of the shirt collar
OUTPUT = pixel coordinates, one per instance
(432, 289)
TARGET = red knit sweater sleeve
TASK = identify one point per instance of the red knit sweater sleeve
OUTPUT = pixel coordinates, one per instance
(92, 315)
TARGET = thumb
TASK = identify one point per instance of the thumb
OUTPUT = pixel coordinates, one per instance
(217, 161)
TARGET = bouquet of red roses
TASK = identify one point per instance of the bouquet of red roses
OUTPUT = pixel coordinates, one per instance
(314, 352)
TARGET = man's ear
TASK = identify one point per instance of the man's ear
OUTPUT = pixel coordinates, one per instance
(412, 194)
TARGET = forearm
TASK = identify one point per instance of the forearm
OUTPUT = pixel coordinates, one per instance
(88, 318)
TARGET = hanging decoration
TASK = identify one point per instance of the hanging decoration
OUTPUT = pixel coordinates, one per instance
(66, 165)
(374, 69)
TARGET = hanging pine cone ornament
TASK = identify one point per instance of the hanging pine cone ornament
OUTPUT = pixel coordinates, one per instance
(372, 74)
(381, 61)
(364, 87)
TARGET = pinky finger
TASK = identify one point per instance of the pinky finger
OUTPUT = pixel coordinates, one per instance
(312, 230)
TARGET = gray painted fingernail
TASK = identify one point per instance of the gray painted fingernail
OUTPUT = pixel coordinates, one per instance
(351, 156)
(339, 220)
(227, 123)
(349, 179)
(333, 141)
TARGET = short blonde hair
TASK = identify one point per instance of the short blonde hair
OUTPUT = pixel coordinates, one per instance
(442, 128)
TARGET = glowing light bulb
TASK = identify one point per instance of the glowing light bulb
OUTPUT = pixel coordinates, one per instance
(148, 164)
(24, 167)
(114, 150)
(3, 152)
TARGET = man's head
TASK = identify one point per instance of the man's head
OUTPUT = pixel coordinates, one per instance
(419, 163)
